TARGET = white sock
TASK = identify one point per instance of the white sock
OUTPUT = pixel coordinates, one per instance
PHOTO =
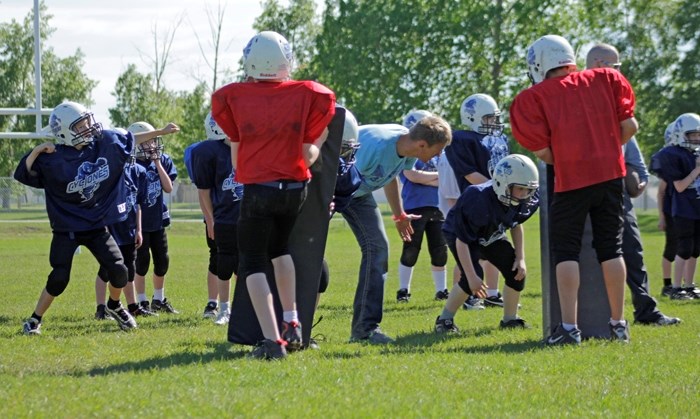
(213, 301)
(224, 306)
(492, 292)
(440, 280)
(158, 294)
(569, 327)
(142, 298)
(290, 316)
(405, 274)
(616, 322)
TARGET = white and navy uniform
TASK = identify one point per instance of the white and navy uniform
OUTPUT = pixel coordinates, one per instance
(84, 194)
(674, 163)
(154, 218)
(472, 152)
(480, 220)
(212, 170)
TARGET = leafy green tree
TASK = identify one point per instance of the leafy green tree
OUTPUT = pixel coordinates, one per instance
(63, 79)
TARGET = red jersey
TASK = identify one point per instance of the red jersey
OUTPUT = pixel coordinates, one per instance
(271, 121)
(578, 117)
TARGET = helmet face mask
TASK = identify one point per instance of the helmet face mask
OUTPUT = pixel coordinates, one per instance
(515, 170)
(480, 113)
(147, 150)
(349, 142)
(73, 125)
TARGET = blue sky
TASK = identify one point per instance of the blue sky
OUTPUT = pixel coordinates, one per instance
(110, 34)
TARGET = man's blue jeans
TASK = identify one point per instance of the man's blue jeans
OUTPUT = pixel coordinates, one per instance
(367, 224)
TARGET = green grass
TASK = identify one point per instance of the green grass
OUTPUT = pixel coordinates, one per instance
(177, 366)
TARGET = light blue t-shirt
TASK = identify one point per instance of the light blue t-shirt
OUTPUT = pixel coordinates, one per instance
(376, 159)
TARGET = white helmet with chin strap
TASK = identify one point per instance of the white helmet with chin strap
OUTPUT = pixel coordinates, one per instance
(668, 133)
(349, 142)
(414, 116)
(685, 124)
(268, 56)
(64, 121)
(515, 170)
(474, 111)
(150, 149)
(213, 130)
(547, 53)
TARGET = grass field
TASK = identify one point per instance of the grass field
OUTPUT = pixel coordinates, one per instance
(182, 365)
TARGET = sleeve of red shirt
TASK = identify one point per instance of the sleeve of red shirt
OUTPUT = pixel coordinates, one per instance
(625, 97)
(322, 111)
(528, 123)
(221, 113)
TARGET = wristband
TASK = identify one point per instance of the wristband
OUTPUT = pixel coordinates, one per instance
(401, 217)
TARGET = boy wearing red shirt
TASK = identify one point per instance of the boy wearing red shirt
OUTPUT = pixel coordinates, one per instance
(277, 128)
(578, 121)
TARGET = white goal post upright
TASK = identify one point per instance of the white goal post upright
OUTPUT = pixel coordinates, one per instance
(37, 110)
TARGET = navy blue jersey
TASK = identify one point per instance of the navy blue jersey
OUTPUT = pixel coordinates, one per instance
(480, 218)
(674, 163)
(82, 187)
(347, 182)
(211, 165)
(472, 152)
(188, 159)
(154, 213)
(418, 195)
(124, 233)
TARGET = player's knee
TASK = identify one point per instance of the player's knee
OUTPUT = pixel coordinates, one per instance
(57, 282)
(464, 284)
(516, 285)
(438, 256)
(103, 274)
(160, 266)
(325, 278)
(669, 252)
(409, 256)
(118, 275)
(213, 265)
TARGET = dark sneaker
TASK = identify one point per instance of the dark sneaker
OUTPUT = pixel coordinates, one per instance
(514, 324)
(679, 294)
(442, 295)
(101, 313)
(663, 320)
(473, 303)
(210, 311)
(620, 332)
(157, 305)
(692, 291)
(269, 349)
(124, 319)
(291, 332)
(445, 326)
(561, 336)
(402, 296)
(375, 337)
(31, 327)
(495, 301)
(667, 290)
(142, 310)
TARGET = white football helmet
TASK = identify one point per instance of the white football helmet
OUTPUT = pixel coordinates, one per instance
(667, 134)
(547, 53)
(66, 123)
(688, 123)
(474, 111)
(349, 143)
(213, 130)
(148, 150)
(414, 116)
(268, 56)
(515, 170)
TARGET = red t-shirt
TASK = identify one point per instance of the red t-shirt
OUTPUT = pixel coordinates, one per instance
(271, 121)
(578, 116)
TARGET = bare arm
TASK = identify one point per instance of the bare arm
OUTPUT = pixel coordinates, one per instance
(518, 235)
(234, 154)
(312, 151)
(682, 185)
(660, 203)
(207, 207)
(142, 137)
(139, 234)
(165, 183)
(545, 155)
(475, 178)
(422, 177)
(628, 128)
(47, 147)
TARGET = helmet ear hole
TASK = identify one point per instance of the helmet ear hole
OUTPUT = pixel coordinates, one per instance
(474, 111)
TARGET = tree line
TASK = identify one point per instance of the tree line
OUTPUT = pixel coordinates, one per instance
(385, 58)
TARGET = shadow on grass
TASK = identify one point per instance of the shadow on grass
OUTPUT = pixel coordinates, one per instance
(219, 351)
(421, 342)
